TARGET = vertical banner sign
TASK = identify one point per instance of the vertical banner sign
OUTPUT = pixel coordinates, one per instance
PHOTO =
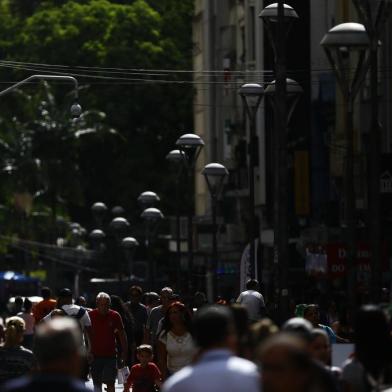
(301, 183)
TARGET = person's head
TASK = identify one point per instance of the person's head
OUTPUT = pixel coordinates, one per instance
(176, 314)
(319, 347)
(46, 292)
(285, 364)
(81, 301)
(300, 327)
(58, 347)
(27, 305)
(312, 314)
(14, 330)
(261, 331)
(213, 326)
(64, 297)
(199, 299)
(103, 303)
(144, 354)
(135, 294)
(152, 299)
(166, 295)
(18, 303)
(372, 338)
(252, 284)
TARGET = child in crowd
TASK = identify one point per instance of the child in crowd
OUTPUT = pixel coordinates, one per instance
(145, 376)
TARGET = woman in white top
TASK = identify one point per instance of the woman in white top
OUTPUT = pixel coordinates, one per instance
(175, 345)
(29, 320)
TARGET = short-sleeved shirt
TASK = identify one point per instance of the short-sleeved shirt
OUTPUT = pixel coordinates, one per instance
(43, 308)
(155, 316)
(180, 350)
(254, 303)
(29, 322)
(140, 315)
(103, 332)
(15, 362)
(142, 379)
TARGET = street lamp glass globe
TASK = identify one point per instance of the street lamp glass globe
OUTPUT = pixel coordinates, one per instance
(191, 144)
(346, 36)
(97, 235)
(76, 110)
(270, 13)
(175, 156)
(148, 197)
(215, 173)
(252, 94)
(119, 224)
(292, 88)
(152, 214)
(99, 207)
(129, 243)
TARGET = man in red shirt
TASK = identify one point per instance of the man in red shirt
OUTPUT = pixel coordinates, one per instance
(44, 307)
(145, 375)
(106, 326)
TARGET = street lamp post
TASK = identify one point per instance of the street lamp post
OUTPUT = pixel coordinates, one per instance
(215, 174)
(251, 95)
(191, 145)
(176, 157)
(129, 245)
(151, 216)
(119, 227)
(342, 44)
(278, 19)
(76, 109)
(99, 211)
(374, 16)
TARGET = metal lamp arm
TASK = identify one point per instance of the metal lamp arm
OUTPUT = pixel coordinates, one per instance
(43, 77)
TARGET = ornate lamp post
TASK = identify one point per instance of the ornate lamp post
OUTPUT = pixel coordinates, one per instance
(129, 245)
(251, 95)
(191, 145)
(345, 45)
(215, 174)
(151, 216)
(374, 16)
(278, 19)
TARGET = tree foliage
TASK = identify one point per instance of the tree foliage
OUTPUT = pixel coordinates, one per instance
(150, 115)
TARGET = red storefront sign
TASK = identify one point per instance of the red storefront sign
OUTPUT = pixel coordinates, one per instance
(337, 259)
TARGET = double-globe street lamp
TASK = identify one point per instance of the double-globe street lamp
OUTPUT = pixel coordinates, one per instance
(278, 19)
(151, 217)
(118, 228)
(191, 145)
(374, 16)
(345, 45)
(215, 174)
(251, 95)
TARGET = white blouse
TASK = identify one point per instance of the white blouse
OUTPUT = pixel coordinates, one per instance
(180, 350)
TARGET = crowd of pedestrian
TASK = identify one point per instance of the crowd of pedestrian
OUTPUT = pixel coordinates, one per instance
(154, 341)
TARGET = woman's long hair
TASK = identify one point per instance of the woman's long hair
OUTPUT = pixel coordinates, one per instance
(14, 329)
(166, 323)
(373, 343)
